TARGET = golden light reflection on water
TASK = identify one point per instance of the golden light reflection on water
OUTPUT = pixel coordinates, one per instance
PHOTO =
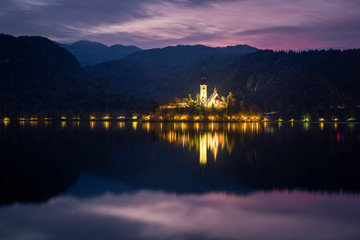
(203, 150)
(34, 123)
(147, 126)
(207, 137)
(121, 125)
(6, 122)
(106, 124)
(210, 140)
(219, 138)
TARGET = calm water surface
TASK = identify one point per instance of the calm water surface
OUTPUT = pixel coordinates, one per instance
(116, 180)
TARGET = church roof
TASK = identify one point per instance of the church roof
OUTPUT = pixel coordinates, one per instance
(215, 96)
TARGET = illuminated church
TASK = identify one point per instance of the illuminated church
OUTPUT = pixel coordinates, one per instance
(214, 99)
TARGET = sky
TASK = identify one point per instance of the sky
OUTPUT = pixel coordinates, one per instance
(266, 24)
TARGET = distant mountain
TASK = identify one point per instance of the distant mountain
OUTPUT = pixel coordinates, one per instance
(164, 73)
(274, 81)
(295, 81)
(180, 56)
(240, 49)
(89, 53)
(38, 77)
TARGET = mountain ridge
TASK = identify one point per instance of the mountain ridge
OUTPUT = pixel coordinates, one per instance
(88, 52)
(307, 81)
(154, 73)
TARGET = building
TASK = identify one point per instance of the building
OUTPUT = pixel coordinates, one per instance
(214, 100)
(203, 90)
(175, 103)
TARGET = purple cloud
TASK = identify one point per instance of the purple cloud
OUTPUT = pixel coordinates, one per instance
(276, 25)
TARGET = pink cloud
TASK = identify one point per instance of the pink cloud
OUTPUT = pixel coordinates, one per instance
(278, 24)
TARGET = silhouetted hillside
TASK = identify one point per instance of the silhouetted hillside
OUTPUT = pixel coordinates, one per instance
(304, 81)
(180, 56)
(37, 77)
(164, 73)
(89, 53)
(240, 49)
(275, 81)
(55, 55)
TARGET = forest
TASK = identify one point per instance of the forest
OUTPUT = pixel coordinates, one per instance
(40, 78)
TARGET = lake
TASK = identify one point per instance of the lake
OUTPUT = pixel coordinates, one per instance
(132, 180)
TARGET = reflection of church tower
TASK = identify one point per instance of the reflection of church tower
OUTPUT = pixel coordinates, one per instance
(203, 90)
(203, 150)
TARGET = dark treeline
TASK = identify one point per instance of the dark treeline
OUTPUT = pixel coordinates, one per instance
(39, 78)
(165, 73)
(320, 82)
(297, 82)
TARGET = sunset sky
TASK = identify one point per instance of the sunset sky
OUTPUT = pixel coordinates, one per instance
(273, 24)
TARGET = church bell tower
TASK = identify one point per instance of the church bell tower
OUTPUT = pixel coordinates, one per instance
(203, 90)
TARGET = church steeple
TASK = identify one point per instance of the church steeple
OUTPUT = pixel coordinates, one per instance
(203, 90)
(203, 78)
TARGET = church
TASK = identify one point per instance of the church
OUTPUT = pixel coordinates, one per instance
(214, 100)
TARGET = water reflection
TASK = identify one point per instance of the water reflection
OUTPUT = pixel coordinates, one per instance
(157, 215)
(137, 180)
(6, 122)
(121, 125)
(203, 150)
(106, 124)
(134, 125)
(306, 125)
(234, 156)
(209, 137)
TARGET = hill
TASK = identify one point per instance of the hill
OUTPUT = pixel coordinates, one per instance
(274, 81)
(180, 56)
(167, 72)
(89, 53)
(239, 49)
(295, 81)
(38, 77)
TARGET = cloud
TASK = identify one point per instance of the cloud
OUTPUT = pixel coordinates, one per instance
(274, 30)
(278, 24)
